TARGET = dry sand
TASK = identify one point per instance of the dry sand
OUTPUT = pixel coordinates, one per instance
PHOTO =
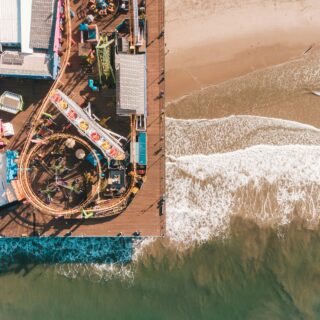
(210, 41)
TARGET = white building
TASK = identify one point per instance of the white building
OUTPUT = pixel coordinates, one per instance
(29, 38)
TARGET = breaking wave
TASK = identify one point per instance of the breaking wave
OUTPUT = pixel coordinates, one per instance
(189, 137)
(258, 168)
(97, 272)
(103, 272)
(268, 184)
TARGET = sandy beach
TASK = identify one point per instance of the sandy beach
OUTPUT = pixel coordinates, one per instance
(240, 77)
(212, 41)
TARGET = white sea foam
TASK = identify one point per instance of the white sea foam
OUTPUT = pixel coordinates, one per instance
(263, 183)
(188, 137)
(103, 272)
(141, 247)
(97, 272)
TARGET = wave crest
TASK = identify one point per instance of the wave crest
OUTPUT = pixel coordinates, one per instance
(269, 184)
(187, 137)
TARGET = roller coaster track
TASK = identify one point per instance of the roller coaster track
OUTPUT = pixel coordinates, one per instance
(25, 155)
(34, 199)
(104, 208)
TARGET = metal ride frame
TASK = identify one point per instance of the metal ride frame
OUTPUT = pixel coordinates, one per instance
(103, 50)
(103, 208)
(112, 140)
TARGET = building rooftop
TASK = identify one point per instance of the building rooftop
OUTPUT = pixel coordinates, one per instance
(29, 26)
(10, 21)
(37, 64)
(42, 26)
(131, 83)
(28, 22)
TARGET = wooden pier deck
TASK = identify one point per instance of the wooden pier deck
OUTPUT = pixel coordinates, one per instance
(144, 213)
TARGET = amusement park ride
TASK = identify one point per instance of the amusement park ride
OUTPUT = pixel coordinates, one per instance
(103, 50)
(95, 140)
(107, 141)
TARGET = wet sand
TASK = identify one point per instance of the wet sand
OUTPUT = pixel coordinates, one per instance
(283, 91)
(227, 39)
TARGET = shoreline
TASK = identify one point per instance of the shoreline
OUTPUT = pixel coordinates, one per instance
(282, 91)
(183, 80)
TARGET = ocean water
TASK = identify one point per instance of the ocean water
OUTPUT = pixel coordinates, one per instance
(16, 252)
(243, 210)
(256, 273)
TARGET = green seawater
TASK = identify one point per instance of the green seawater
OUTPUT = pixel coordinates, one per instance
(252, 274)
